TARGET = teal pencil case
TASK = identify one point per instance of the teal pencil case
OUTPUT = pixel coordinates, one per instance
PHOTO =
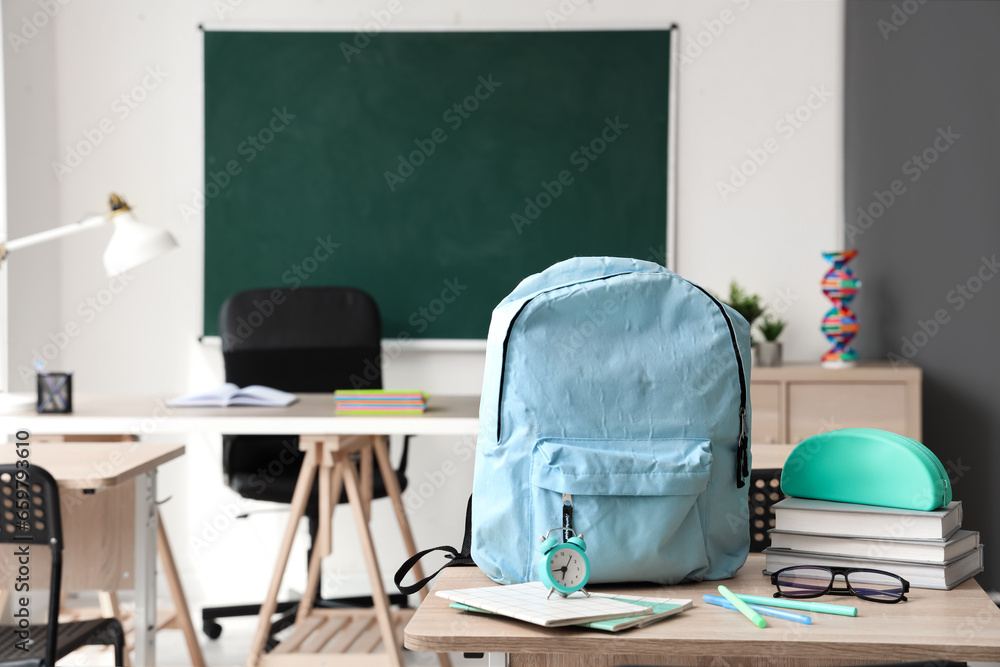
(866, 466)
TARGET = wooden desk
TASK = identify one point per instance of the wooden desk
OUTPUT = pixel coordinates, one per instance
(312, 414)
(962, 624)
(99, 465)
(112, 467)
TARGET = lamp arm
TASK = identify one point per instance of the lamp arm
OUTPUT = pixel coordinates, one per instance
(89, 222)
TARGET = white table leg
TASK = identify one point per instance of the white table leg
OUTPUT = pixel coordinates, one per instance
(145, 570)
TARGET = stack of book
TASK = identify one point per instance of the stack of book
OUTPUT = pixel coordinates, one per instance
(379, 402)
(928, 549)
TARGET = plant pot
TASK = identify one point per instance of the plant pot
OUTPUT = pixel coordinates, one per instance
(769, 353)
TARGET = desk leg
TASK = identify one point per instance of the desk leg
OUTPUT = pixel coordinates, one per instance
(330, 484)
(145, 569)
(300, 498)
(182, 615)
(380, 601)
(381, 448)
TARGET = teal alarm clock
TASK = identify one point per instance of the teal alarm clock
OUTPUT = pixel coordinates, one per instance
(564, 567)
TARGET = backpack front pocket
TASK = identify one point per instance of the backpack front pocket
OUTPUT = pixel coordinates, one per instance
(634, 501)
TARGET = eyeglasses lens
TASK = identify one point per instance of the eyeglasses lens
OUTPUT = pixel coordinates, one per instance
(875, 585)
(804, 581)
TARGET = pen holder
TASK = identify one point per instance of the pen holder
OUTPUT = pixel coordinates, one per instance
(55, 393)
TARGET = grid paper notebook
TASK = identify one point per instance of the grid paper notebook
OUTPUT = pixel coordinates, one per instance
(527, 602)
(662, 608)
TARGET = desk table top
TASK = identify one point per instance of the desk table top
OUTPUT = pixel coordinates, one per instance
(312, 414)
(962, 624)
(95, 465)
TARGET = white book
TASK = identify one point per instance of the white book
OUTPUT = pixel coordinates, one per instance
(930, 551)
(825, 517)
(229, 394)
(920, 575)
(529, 602)
(662, 608)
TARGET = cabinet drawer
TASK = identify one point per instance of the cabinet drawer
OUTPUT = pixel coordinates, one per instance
(816, 408)
(765, 406)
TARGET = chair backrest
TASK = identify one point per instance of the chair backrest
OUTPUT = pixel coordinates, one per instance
(307, 340)
(311, 339)
(31, 517)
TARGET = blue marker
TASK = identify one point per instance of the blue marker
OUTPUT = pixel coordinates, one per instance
(760, 609)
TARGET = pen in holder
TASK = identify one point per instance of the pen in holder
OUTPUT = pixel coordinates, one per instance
(55, 392)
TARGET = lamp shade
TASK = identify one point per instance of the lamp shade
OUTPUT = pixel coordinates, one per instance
(134, 243)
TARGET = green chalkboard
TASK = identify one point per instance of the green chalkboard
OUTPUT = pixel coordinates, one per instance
(434, 170)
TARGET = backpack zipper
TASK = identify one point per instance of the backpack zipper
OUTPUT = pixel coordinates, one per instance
(742, 459)
(510, 327)
(567, 515)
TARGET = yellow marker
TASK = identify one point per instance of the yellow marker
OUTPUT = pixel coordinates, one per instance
(757, 619)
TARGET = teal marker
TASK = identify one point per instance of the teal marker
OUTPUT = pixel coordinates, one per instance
(818, 607)
(754, 617)
(720, 601)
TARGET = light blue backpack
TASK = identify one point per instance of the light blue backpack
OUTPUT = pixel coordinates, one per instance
(625, 386)
(615, 401)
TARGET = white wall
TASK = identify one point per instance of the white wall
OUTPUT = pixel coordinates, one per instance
(759, 61)
(4, 337)
(33, 196)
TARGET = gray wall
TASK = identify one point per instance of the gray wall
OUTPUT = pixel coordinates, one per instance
(926, 260)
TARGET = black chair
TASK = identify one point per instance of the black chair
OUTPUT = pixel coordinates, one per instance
(31, 518)
(308, 340)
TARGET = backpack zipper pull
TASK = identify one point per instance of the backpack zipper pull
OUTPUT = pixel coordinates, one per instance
(567, 515)
(742, 471)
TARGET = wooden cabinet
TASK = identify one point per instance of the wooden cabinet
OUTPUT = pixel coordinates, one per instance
(794, 401)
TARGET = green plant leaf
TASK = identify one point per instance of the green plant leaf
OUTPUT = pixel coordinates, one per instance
(747, 305)
(771, 328)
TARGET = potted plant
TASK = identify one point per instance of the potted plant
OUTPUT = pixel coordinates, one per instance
(769, 351)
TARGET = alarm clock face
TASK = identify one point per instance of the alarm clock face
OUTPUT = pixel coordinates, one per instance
(568, 568)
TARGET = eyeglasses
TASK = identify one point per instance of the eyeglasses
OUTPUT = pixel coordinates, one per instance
(806, 581)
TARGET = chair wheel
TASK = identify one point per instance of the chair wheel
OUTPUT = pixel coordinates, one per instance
(211, 629)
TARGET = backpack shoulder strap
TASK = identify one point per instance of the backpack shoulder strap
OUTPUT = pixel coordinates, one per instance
(455, 558)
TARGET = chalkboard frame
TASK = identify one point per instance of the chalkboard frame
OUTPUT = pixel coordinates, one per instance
(669, 258)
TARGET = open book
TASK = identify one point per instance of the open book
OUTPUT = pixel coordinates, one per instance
(662, 608)
(530, 602)
(229, 394)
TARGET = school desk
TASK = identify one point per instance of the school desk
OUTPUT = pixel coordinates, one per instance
(962, 624)
(312, 415)
(97, 483)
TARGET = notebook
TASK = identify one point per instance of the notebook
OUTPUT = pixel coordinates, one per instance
(662, 608)
(229, 394)
(528, 602)
(379, 401)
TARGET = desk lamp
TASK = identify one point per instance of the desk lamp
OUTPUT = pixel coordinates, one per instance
(133, 242)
